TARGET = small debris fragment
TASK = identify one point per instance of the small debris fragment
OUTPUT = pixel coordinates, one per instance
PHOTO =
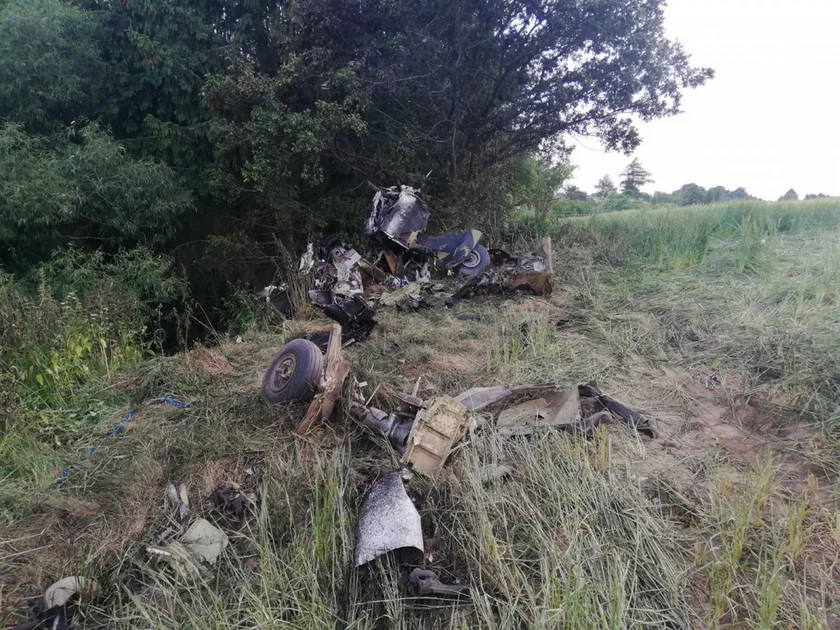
(180, 499)
(232, 499)
(61, 592)
(204, 541)
(425, 583)
(635, 419)
(62, 599)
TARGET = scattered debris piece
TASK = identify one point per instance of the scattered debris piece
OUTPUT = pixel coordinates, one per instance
(388, 522)
(61, 592)
(120, 428)
(425, 583)
(511, 271)
(279, 297)
(335, 373)
(435, 431)
(338, 290)
(408, 297)
(173, 402)
(204, 541)
(554, 409)
(635, 419)
(477, 398)
(180, 499)
(232, 499)
(60, 602)
(588, 425)
(392, 426)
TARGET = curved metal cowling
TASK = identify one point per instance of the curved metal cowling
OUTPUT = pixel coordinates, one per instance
(388, 522)
(398, 216)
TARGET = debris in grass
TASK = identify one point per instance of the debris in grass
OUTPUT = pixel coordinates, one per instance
(435, 431)
(511, 271)
(180, 499)
(120, 428)
(631, 417)
(425, 583)
(204, 541)
(173, 402)
(554, 409)
(389, 522)
(300, 372)
(232, 499)
(335, 373)
(424, 435)
(60, 602)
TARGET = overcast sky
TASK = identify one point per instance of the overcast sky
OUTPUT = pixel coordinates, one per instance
(768, 121)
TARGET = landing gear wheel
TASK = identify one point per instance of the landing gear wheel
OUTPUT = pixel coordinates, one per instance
(295, 372)
(475, 262)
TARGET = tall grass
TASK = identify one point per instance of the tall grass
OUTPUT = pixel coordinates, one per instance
(682, 237)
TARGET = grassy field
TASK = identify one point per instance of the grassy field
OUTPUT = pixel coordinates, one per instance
(722, 322)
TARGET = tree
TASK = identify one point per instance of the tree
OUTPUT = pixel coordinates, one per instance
(605, 187)
(50, 68)
(790, 195)
(539, 182)
(573, 193)
(634, 177)
(690, 194)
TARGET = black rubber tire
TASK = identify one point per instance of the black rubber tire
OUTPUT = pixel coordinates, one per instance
(476, 262)
(295, 373)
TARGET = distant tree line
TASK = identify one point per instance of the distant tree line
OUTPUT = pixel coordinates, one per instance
(628, 194)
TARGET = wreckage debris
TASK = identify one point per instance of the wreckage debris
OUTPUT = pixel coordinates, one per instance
(396, 225)
(435, 431)
(232, 499)
(295, 373)
(631, 417)
(425, 583)
(511, 271)
(300, 372)
(180, 499)
(554, 409)
(200, 546)
(478, 398)
(60, 603)
(425, 439)
(389, 522)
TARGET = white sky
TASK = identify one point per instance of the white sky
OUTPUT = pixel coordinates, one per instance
(768, 121)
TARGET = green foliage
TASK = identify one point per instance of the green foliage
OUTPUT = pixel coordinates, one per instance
(50, 68)
(633, 178)
(67, 331)
(567, 208)
(82, 187)
(605, 187)
(619, 202)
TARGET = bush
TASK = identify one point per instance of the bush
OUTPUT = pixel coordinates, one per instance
(570, 208)
(619, 202)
